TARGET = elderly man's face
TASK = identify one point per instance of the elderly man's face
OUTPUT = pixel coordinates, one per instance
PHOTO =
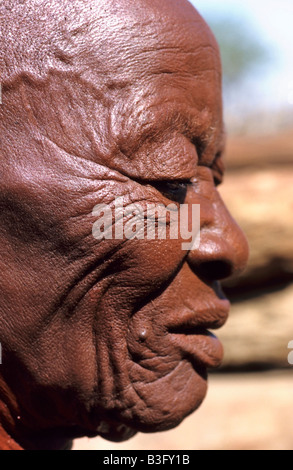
(111, 337)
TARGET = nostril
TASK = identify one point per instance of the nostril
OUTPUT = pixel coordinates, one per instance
(216, 270)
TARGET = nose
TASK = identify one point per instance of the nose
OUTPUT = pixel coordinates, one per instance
(223, 250)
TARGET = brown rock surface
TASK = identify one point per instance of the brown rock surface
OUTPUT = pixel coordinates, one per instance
(259, 330)
(260, 196)
(262, 203)
(260, 151)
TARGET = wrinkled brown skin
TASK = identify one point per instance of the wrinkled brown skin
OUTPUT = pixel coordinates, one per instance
(103, 98)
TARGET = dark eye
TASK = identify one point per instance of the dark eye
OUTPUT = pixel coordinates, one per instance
(175, 191)
(218, 179)
(218, 169)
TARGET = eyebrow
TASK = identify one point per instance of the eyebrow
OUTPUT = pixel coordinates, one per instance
(186, 123)
(160, 118)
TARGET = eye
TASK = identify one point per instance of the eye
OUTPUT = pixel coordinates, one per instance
(218, 178)
(218, 169)
(173, 190)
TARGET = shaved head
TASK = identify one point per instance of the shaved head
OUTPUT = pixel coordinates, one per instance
(39, 36)
(102, 59)
(107, 100)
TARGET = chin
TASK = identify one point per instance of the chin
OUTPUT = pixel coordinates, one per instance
(150, 406)
(160, 405)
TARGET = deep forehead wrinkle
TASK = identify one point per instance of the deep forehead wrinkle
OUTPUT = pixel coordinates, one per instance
(158, 118)
(35, 34)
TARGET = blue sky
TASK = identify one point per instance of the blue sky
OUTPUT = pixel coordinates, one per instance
(273, 21)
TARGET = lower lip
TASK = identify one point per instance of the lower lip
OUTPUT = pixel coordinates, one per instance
(201, 347)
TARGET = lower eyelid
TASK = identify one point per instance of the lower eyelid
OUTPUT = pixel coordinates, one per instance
(217, 182)
(218, 177)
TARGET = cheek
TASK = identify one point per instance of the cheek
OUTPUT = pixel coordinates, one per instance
(151, 264)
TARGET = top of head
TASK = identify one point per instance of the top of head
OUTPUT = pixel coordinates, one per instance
(100, 36)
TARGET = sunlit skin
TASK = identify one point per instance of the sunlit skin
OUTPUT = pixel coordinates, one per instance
(103, 99)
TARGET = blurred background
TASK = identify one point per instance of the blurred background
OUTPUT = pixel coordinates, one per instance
(250, 400)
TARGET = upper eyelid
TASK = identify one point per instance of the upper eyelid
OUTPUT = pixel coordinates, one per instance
(169, 183)
(215, 162)
(200, 146)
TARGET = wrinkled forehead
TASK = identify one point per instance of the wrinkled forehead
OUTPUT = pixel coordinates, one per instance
(138, 38)
(108, 37)
(131, 68)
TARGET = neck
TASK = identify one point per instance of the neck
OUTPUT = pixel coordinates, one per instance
(14, 434)
(6, 441)
(7, 422)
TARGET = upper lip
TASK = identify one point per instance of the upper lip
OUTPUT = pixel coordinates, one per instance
(193, 320)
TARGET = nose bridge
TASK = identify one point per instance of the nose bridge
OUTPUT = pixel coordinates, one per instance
(223, 248)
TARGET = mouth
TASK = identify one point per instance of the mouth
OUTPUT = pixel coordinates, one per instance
(171, 351)
(192, 337)
(201, 347)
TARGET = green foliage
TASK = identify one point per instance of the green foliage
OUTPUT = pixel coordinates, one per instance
(241, 49)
